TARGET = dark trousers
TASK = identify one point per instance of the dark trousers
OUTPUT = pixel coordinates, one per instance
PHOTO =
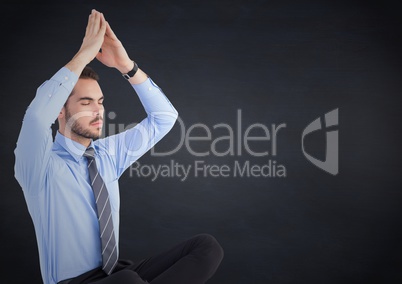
(191, 262)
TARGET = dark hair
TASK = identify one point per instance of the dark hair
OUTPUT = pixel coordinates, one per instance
(89, 73)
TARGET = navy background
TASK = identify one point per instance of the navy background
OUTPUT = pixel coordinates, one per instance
(279, 62)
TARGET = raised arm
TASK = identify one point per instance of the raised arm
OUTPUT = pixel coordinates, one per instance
(128, 146)
(35, 140)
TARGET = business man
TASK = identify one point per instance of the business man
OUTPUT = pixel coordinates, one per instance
(70, 182)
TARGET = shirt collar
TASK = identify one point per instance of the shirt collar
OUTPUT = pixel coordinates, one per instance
(75, 149)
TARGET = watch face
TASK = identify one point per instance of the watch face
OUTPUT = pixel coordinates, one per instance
(126, 76)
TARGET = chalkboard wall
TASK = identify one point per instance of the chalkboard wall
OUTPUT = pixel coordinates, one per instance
(287, 144)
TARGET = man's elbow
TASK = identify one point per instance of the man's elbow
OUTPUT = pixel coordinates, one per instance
(19, 169)
(171, 121)
(167, 122)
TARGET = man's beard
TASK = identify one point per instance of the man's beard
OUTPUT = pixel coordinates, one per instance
(79, 130)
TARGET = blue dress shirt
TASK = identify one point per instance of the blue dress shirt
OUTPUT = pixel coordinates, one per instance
(55, 181)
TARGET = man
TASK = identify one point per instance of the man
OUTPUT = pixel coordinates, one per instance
(71, 184)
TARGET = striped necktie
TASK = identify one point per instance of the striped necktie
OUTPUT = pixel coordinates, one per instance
(109, 246)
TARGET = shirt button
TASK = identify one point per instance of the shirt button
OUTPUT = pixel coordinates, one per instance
(66, 78)
(50, 95)
(150, 88)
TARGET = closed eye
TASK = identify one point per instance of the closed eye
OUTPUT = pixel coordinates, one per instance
(85, 101)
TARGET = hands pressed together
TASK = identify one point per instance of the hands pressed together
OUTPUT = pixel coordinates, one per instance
(100, 42)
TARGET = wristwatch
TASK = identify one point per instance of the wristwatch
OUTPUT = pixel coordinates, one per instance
(131, 73)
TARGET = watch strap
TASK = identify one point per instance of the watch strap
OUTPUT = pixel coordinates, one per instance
(131, 73)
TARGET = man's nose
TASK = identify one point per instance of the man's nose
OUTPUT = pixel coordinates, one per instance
(97, 110)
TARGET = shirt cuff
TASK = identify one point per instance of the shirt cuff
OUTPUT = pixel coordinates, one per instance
(65, 78)
(148, 90)
(148, 86)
